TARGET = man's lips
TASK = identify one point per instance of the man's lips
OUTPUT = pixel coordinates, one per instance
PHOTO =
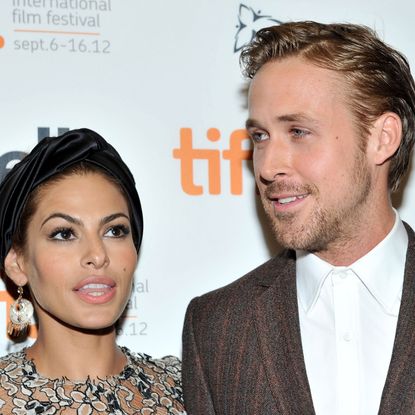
(95, 290)
(288, 199)
(285, 196)
(287, 202)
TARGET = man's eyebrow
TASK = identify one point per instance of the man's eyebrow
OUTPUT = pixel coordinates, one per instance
(250, 123)
(64, 216)
(294, 117)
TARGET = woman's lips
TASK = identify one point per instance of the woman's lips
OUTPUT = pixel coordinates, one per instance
(96, 290)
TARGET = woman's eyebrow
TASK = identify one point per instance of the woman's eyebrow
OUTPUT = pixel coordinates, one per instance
(113, 216)
(64, 216)
(76, 221)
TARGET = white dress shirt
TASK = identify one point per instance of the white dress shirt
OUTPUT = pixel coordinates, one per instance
(348, 318)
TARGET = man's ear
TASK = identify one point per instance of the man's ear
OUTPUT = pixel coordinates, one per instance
(14, 268)
(386, 137)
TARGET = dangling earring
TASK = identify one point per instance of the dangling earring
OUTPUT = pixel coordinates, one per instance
(21, 311)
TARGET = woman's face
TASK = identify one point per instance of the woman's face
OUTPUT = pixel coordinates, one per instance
(79, 257)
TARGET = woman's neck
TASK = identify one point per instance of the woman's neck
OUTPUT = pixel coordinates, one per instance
(76, 354)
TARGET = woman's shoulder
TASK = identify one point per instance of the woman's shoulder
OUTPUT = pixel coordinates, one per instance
(168, 365)
(15, 370)
(12, 361)
(156, 379)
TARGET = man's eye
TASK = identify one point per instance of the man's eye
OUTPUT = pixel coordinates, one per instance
(259, 136)
(299, 132)
(62, 234)
(117, 231)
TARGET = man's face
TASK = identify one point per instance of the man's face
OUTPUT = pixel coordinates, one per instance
(314, 180)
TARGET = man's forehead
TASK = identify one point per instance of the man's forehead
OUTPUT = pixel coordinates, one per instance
(298, 80)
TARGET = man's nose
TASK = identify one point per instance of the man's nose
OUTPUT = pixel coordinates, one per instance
(273, 160)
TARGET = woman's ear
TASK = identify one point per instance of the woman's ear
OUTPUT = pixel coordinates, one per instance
(387, 137)
(14, 268)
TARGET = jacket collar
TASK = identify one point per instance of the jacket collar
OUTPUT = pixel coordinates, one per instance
(278, 332)
(402, 367)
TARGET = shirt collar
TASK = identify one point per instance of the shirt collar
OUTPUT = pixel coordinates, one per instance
(311, 272)
(381, 270)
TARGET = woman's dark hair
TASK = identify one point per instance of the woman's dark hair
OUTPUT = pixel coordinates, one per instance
(75, 152)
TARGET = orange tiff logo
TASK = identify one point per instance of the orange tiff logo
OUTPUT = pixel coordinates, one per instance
(235, 154)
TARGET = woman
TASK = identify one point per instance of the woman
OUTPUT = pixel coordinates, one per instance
(70, 228)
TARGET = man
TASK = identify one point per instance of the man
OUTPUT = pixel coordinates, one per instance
(328, 326)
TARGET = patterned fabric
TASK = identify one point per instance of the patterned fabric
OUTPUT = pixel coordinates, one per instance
(146, 386)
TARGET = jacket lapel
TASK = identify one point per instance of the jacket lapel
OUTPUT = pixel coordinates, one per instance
(401, 372)
(278, 331)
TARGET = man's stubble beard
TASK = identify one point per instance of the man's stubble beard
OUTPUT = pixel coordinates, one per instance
(324, 227)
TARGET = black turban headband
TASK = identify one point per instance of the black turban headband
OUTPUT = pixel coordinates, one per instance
(51, 156)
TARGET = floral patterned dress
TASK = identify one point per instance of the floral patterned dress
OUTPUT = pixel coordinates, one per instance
(145, 386)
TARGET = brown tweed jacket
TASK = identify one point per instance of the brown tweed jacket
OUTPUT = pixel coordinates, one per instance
(242, 350)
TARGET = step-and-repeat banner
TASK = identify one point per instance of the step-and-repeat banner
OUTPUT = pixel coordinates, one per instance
(161, 81)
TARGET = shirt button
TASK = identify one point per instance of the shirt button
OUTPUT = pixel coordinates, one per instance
(347, 337)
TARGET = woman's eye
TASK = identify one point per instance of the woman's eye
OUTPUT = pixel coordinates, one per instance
(63, 234)
(117, 231)
(258, 136)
